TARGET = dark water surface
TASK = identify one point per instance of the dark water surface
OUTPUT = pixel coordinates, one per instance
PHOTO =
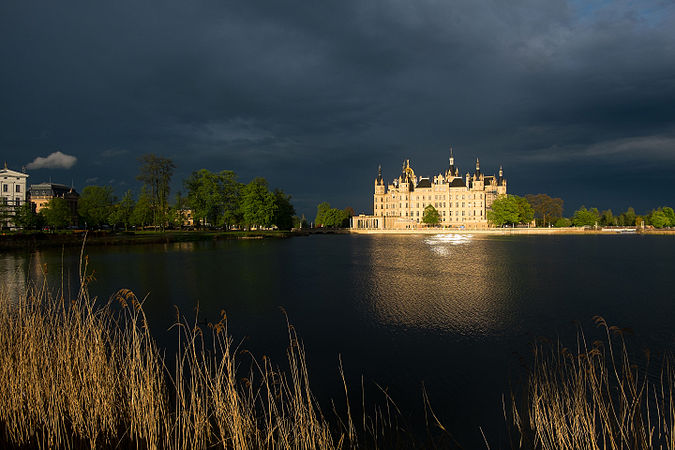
(457, 313)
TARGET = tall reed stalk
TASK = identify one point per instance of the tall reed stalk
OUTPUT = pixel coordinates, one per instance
(596, 397)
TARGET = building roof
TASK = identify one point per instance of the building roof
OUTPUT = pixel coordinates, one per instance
(457, 182)
(50, 189)
(424, 183)
(12, 173)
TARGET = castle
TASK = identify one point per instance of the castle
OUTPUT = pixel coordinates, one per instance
(461, 202)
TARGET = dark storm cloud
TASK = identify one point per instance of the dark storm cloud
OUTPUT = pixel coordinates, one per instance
(313, 95)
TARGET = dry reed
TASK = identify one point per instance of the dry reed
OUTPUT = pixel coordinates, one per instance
(596, 398)
(80, 373)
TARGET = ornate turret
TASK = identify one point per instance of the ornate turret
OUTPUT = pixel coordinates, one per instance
(452, 171)
(379, 182)
(477, 173)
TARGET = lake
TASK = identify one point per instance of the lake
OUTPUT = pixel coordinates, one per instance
(455, 312)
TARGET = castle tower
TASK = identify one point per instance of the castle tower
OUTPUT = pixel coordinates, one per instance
(379, 182)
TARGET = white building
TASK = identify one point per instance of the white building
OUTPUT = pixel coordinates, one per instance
(13, 193)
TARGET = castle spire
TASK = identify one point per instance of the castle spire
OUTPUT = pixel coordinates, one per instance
(452, 159)
(5, 165)
(501, 171)
(477, 165)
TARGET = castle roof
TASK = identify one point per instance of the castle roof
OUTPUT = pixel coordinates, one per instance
(457, 182)
(424, 183)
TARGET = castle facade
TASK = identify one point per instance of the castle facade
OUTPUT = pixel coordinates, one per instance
(461, 202)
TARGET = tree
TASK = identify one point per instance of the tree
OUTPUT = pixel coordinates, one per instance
(335, 218)
(142, 214)
(525, 211)
(283, 217)
(123, 211)
(25, 217)
(258, 204)
(204, 197)
(431, 216)
(57, 214)
(659, 219)
(349, 213)
(546, 209)
(156, 173)
(669, 214)
(214, 198)
(95, 205)
(563, 222)
(628, 217)
(585, 217)
(607, 218)
(504, 210)
(321, 210)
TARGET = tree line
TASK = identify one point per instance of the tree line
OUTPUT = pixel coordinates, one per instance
(547, 211)
(214, 200)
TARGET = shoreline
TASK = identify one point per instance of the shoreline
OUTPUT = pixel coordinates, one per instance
(516, 231)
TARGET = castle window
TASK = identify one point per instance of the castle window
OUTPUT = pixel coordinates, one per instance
(5, 187)
(18, 188)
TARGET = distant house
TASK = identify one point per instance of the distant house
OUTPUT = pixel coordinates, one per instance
(12, 194)
(40, 194)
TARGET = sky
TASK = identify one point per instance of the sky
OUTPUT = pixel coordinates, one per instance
(575, 99)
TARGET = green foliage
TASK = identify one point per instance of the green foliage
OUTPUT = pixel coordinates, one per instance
(585, 217)
(258, 204)
(661, 218)
(510, 210)
(155, 173)
(546, 209)
(26, 217)
(321, 210)
(214, 197)
(431, 216)
(563, 222)
(332, 217)
(336, 218)
(95, 205)
(122, 212)
(670, 215)
(658, 219)
(607, 219)
(142, 214)
(283, 217)
(56, 213)
(525, 211)
(627, 218)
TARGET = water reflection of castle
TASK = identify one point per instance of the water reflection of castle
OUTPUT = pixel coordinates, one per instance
(460, 201)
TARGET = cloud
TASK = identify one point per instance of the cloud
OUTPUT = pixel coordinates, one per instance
(639, 147)
(56, 160)
(91, 180)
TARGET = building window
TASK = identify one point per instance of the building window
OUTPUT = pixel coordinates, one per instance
(5, 187)
(18, 188)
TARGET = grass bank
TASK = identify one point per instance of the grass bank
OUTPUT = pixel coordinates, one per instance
(78, 373)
